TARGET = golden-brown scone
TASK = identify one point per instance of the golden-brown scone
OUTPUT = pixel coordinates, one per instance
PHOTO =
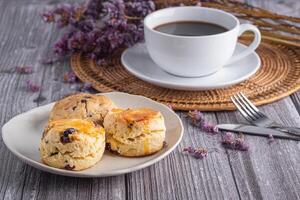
(82, 106)
(135, 132)
(72, 144)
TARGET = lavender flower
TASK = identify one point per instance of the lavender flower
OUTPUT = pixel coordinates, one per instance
(93, 9)
(231, 142)
(86, 86)
(198, 120)
(83, 87)
(77, 41)
(49, 59)
(196, 117)
(209, 128)
(227, 138)
(24, 69)
(61, 47)
(31, 86)
(48, 16)
(69, 77)
(63, 14)
(240, 144)
(139, 8)
(123, 26)
(198, 153)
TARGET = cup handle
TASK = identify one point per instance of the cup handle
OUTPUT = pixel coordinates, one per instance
(257, 38)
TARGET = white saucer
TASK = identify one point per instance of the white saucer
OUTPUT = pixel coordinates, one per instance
(137, 61)
(23, 133)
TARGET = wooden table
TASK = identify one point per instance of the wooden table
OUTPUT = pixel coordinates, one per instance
(264, 172)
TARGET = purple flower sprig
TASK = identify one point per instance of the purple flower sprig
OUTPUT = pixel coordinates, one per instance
(86, 86)
(65, 14)
(48, 16)
(229, 141)
(24, 69)
(99, 28)
(32, 87)
(82, 87)
(197, 118)
(198, 153)
(70, 77)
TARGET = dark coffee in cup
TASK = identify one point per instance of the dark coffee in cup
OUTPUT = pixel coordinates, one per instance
(190, 28)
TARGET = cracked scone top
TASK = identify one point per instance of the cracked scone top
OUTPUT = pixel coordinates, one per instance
(82, 106)
(135, 132)
(72, 144)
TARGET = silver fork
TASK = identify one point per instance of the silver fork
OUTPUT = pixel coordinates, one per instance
(252, 114)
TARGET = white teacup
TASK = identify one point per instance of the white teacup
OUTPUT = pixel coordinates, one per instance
(193, 56)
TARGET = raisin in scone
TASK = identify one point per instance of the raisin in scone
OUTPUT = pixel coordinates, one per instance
(135, 132)
(72, 144)
(82, 106)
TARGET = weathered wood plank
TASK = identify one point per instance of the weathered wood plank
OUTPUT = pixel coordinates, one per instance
(296, 100)
(285, 7)
(180, 176)
(24, 44)
(16, 100)
(268, 171)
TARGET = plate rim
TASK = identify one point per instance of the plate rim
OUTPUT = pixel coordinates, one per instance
(81, 174)
(177, 86)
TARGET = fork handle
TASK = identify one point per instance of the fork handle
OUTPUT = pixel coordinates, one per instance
(289, 130)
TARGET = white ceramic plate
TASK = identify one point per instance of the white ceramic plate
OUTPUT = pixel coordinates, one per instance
(22, 136)
(137, 61)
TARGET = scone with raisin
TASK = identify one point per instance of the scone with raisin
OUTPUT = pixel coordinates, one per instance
(72, 144)
(82, 106)
(135, 132)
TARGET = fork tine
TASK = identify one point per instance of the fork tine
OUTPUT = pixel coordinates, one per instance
(251, 104)
(249, 107)
(237, 99)
(237, 105)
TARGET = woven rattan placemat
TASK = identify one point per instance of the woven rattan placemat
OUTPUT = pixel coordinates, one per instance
(279, 76)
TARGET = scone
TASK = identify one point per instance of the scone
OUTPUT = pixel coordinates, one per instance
(82, 106)
(72, 144)
(135, 132)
